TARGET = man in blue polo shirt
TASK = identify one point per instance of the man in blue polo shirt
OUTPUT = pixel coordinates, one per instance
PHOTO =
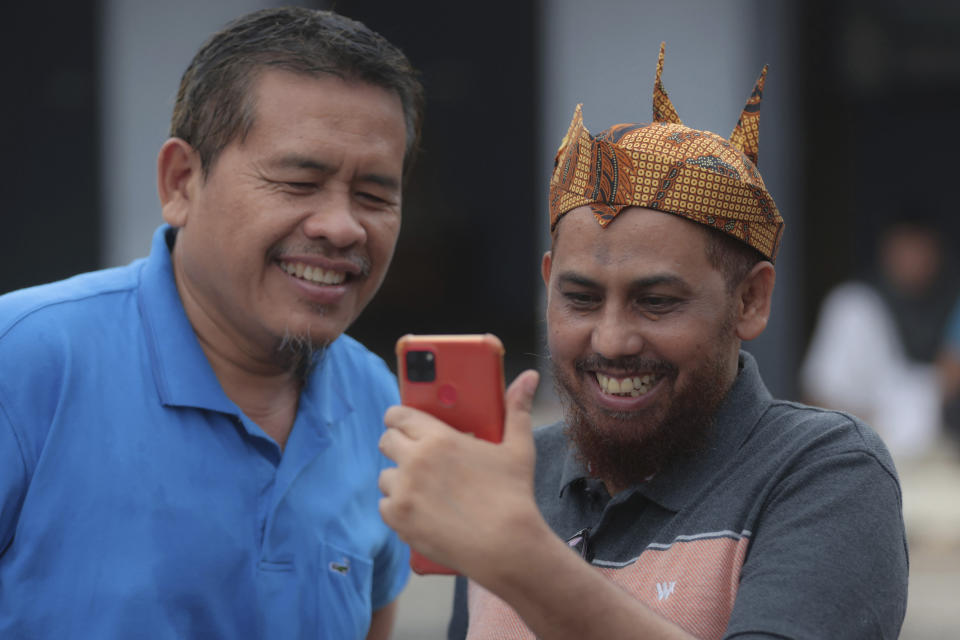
(188, 444)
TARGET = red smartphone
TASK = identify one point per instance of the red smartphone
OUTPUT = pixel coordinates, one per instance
(458, 379)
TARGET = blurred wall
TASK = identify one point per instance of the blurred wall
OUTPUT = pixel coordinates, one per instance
(51, 197)
(880, 92)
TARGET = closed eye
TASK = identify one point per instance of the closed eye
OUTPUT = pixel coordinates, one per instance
(371, 198)
(300, 187)
(581, 299)
(658, 304)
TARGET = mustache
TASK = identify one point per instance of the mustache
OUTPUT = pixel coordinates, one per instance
(595, 361)
(357, 259)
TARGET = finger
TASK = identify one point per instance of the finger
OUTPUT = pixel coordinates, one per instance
(518, 424)
(384, 507)
(389, 443)
(393, 444)
(395, 415)
(409, 421)
(388, 480)
(413, 423)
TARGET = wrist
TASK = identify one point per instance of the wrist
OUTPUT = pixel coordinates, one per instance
(526, 552)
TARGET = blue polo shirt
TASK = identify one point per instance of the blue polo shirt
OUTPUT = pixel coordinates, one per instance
(138, 501)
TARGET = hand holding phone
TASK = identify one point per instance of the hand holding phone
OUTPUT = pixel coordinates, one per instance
(459, 380)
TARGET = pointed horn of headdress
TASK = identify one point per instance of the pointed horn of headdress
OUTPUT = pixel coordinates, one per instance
(576, 123)
(746, 135)
(663, 110)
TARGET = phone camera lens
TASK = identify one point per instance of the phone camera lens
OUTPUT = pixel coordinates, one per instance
(421, 366)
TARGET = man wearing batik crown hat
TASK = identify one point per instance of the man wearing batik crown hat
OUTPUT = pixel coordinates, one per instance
(677, 498)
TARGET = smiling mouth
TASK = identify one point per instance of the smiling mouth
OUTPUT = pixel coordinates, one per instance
(314, 274)
(632, 386)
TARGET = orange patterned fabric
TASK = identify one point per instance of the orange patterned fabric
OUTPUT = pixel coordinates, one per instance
(746, 135)
(692, 583)
(670, 167)
(663, 109)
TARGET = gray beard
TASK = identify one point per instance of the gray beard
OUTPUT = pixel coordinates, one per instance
(299, 355)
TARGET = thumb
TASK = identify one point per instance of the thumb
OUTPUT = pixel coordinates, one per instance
(517, 422)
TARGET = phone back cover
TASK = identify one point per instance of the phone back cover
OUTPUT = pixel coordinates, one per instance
(467, 394)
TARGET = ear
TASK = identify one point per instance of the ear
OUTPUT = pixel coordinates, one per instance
(753, 298)
(178, 177)
(545, 269)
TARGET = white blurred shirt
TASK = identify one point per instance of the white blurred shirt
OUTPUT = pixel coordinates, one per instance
(856, 363)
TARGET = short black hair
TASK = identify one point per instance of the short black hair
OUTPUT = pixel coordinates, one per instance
(733, 258)
(214, 103)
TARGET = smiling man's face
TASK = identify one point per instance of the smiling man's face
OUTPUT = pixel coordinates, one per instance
(641, 330)
(292, 230)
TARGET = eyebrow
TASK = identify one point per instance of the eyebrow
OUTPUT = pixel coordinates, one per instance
(299, 161)
(573, 278)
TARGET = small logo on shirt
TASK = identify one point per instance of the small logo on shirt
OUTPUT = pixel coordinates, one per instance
(665, 589)
(342, 567)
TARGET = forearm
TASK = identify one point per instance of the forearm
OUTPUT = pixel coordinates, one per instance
(381, 622)
(559, 596)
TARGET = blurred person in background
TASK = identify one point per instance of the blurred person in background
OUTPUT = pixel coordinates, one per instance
(188, 444)
(677, 498)
(876, 341)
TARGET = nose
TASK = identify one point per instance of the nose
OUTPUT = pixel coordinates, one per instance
(334, 219)
(615, 334)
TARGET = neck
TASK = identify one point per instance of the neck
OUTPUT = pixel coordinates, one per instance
(268, 395)
(263, 378)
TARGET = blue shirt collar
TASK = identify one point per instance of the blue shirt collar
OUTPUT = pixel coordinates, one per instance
(181, 371)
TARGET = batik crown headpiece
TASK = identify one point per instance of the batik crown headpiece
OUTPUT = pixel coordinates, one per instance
(667, 166)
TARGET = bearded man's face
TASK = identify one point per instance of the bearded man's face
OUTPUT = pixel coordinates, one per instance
(641, 331)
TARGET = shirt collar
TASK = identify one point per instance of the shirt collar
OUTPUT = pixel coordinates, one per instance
(736, 418)
(573, 469)
(184, 377)
(181, 371)
(327, 381)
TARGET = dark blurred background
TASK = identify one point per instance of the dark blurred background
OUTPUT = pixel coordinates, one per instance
(880, 88)
(858, 125)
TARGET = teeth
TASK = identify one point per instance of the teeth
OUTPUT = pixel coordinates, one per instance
(313, 274)
(631, 386)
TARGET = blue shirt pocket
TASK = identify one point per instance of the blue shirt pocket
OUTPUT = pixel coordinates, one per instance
(327, 597)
